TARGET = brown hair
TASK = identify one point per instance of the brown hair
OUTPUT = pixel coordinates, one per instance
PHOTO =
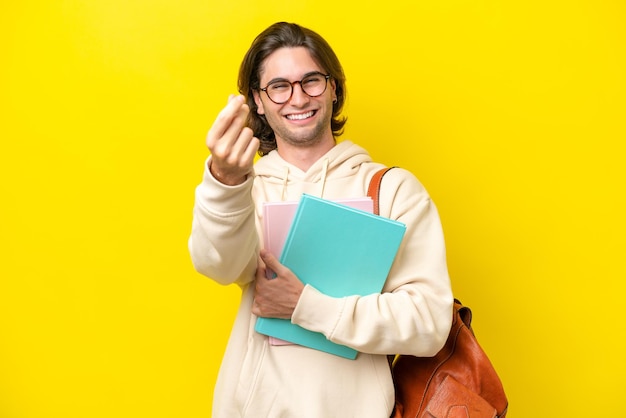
(291, 35)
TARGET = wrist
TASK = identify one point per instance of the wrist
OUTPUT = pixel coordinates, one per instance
(224, 178)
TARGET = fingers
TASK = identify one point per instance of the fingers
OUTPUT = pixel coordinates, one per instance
(234, 135)
(275, 298)
(239, 148)
(252, 148)
(232, 144)
(229, 122)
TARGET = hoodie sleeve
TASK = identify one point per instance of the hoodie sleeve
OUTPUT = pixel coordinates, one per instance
(224, 241)
(413, 315)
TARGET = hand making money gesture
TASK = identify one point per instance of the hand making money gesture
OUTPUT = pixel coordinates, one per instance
(232, 144)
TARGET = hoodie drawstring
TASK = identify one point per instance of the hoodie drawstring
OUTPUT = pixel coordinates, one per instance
(323, 177)
(325, 165)
(285, 180)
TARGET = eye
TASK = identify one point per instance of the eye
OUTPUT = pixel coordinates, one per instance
(279, 86)
(313, 79)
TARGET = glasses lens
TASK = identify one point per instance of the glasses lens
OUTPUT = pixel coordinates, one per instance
(314, 85)
(279, 92)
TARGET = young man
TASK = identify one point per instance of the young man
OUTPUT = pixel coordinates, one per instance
(293, 90)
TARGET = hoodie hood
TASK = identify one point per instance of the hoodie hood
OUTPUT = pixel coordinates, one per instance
(343, 160)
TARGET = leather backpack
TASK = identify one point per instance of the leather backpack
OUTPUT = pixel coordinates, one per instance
(458, 382)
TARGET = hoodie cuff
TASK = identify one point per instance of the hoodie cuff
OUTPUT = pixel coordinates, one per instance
(221, 198)
(318, 312)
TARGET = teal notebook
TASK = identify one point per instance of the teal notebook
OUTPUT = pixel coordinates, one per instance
(339, 250)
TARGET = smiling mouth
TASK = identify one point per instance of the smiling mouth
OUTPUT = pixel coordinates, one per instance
(300, 116)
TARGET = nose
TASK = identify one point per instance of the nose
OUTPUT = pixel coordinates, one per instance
(298, 96)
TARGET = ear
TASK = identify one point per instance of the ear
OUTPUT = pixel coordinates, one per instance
(333, 87)
(259, 102)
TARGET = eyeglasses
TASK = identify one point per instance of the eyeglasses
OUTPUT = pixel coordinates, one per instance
(280, 91)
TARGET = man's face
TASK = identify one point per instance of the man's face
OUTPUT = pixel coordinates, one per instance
(303, 120)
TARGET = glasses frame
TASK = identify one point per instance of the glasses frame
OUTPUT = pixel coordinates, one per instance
(292, 83)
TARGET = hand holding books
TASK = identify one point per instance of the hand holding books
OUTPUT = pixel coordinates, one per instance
(276, 297)
(338, 250)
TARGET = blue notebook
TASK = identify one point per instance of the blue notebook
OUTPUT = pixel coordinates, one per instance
(339, 250)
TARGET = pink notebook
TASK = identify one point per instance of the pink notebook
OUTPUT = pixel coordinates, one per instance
(277, 218)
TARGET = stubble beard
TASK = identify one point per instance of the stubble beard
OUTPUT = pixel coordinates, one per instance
(301, 137)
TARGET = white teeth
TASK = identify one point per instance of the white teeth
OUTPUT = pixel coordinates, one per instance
(300, 116)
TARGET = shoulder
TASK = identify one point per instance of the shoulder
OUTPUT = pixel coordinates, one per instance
(400, 191)
(400, 180)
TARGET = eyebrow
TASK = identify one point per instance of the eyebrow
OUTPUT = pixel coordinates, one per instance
(273, 80)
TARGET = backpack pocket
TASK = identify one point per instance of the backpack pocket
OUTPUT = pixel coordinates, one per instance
(453, 400)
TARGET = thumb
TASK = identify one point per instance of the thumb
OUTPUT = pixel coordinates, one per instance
(270, 261)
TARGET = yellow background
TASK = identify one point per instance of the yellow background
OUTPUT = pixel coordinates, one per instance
(510, 112)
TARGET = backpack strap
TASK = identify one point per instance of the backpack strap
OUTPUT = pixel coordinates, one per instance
(373, 190)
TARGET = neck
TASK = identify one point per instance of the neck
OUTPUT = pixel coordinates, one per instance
(304, 156)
